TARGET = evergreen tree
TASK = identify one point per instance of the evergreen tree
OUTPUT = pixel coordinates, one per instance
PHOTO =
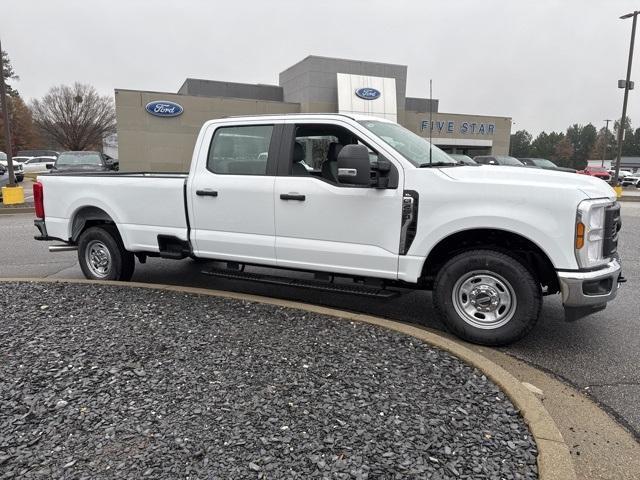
(520, 144)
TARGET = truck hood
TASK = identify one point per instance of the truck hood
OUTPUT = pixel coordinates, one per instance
(592, 187)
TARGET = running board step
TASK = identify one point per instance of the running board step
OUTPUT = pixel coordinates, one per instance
(296, 282)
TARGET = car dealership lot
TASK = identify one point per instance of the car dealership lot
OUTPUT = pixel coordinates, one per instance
(598, 354)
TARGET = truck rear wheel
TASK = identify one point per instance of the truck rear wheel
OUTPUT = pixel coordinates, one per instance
(487, 297)
(102, 255)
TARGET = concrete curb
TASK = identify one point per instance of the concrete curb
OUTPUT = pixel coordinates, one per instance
(554, 459)
(14, 210)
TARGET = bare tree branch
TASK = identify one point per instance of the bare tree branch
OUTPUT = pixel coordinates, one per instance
(76, 125)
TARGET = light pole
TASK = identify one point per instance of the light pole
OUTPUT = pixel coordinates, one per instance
(606, 142)
(628, 85)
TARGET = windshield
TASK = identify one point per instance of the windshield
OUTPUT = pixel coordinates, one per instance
(412, 147)
(3, 156)
(543, 162)
(507, 160)
(79, 158)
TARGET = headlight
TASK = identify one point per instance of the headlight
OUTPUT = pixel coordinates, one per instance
(589, 239)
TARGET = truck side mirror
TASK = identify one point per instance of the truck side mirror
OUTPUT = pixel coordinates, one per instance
(48, 166)
(353, 165)
(380, 173)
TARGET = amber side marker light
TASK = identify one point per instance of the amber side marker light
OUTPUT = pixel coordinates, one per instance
(579, 235)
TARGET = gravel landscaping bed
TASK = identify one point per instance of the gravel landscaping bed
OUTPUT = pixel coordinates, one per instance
(102, 382)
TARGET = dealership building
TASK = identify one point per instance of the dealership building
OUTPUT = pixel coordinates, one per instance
(157, 130)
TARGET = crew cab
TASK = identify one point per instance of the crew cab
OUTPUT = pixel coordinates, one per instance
(379, 207)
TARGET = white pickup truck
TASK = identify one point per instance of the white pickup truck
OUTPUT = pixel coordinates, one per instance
(357, 199)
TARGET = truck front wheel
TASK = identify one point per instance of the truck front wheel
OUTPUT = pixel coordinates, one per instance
(487, 297)
(102, 255)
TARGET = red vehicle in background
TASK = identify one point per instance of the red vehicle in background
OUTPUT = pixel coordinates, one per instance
(599, 172)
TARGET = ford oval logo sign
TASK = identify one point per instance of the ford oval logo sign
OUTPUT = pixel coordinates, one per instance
(368, 93)
(162, 108)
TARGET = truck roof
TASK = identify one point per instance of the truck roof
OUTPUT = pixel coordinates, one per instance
(353, 116)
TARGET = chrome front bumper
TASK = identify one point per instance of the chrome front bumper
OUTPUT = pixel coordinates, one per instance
(586, 292)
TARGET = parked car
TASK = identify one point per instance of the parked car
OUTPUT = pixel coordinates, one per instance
(631, 180)
(463, 159)
(21, 159)
(84, 161)
(38, 153)
(411, 218)
(621, 174)
(38, 164)
(17, 166)
(545, 164)
(598, 172)
(504, 160)
(18, 169)
(4, 180)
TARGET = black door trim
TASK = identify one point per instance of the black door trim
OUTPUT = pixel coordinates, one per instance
(287, 135)
(290, 196)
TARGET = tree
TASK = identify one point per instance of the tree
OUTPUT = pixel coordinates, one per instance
(9, 74)
(563, 153)
(76, 117)
(520, 144)
(605, 145)
(582, 139)
(23, 134)
(632, 144)
(544, 145)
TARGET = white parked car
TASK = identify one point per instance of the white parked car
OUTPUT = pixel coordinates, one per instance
(21, 159)
(384, 210)
(39, 164)
(621, 174)
(631, 180)
(17, 166)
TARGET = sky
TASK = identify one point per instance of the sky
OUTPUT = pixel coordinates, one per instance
(545, 63)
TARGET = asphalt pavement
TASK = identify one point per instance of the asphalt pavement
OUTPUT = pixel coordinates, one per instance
(599, 354)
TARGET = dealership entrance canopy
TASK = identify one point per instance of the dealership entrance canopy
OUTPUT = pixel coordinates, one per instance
(157, 130)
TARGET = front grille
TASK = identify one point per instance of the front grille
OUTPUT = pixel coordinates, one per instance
(612, 225)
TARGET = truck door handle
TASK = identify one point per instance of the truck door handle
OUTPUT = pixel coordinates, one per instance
(206, 193)
(289, 196)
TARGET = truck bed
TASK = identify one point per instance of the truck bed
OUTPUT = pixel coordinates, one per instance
(143, 205)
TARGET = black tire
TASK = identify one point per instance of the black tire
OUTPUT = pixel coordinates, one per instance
(512, 280)
(106, 239)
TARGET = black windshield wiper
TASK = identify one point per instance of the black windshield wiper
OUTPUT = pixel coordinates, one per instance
(437, 164)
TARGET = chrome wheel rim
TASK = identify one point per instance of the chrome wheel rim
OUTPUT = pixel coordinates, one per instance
(98, 259)
(484, 299)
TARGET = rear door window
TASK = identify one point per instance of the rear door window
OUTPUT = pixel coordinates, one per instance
(242, 150)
